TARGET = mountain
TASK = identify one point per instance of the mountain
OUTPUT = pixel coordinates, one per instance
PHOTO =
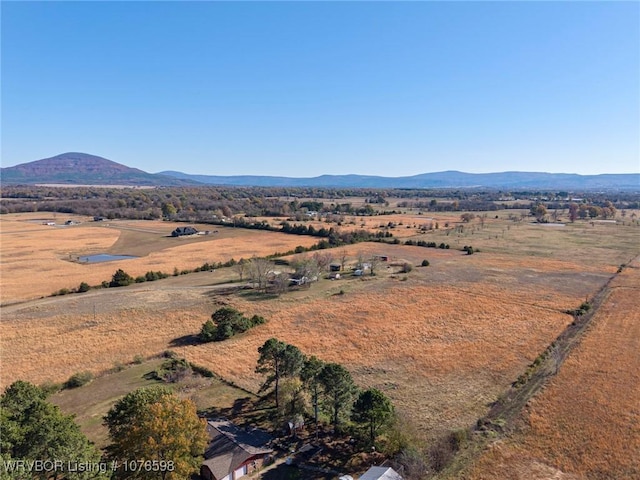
(74, 168)
(83, 169)
(448, 179)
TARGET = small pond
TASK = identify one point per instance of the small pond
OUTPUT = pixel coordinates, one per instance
(103, 257)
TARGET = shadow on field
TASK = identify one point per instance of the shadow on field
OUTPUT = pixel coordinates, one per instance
(185, 341)
(254, 296)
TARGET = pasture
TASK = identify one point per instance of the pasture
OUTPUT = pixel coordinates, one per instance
(442, 341)
(586, 422)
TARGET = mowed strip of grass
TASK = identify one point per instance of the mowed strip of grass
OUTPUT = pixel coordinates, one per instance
(90, 403)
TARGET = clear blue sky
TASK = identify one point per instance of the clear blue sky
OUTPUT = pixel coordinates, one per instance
(302, 89)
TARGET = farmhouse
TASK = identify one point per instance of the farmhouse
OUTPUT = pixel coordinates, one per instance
(233, 452)
(180, 231)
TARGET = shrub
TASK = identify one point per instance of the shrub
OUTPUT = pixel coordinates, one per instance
(468, 249)
(84, 287)
(208, 331)
(121, 279)
(118, 367)
(173, 370)
(406, 267)
(227, 322)
(425, 263)
(141, 278)
(49, 388)
(78, 379)
(138, 359)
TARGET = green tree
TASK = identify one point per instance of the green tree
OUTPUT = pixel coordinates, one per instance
(310, 376)
(540, 212)
(373, 411)
(278, 360)
(121, 279)
(154, 425)
(208, 331)
(168, 209)
(34, 429)
(338, 391)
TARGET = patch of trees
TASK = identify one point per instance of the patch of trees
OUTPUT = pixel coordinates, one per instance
(207, 203)
(422, 243)
(307, 385)
(34, 429)
(227, 322)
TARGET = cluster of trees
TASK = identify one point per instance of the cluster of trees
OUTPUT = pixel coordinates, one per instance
(227, 322)
(153, 433)
(121, 278)
(35, 430)
(422, 243)
(303, 385)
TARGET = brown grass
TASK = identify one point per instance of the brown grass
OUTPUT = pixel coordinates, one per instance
(586, 422)
(442, 341)
(37, 260)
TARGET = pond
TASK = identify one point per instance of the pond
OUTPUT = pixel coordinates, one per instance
(103, 257)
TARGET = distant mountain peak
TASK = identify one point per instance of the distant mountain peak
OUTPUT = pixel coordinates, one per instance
(77, 168)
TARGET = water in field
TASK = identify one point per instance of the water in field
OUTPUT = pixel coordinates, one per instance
(103, 257)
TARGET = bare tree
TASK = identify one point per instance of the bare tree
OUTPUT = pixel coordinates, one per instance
(343, 258)
(241, 268)
(280, 282)
(259, 268)
(323, 260)
(374, 262)
(306, 267)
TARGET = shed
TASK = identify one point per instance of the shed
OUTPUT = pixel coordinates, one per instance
(233, 452)
(381, 473)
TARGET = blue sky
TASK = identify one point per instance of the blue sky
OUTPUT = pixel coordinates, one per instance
(307, 88)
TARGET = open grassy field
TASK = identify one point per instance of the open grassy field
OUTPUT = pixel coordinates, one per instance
(586, 423)
(91, 402)
(442, 341)
(37, 259)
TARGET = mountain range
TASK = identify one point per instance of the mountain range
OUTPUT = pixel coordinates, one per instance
(75, 168)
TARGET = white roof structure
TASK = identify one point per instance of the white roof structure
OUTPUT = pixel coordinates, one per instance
(381, 473)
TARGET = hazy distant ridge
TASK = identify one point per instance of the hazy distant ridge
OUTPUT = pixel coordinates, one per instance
(448, 179)
(74, 168)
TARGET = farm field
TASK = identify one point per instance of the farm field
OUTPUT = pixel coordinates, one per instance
(37, 259)
(586, 423)
(442, 341)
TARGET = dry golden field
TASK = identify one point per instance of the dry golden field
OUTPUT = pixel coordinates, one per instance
(442, 341)
(37, 260)
(404, 224)
(586, 423)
